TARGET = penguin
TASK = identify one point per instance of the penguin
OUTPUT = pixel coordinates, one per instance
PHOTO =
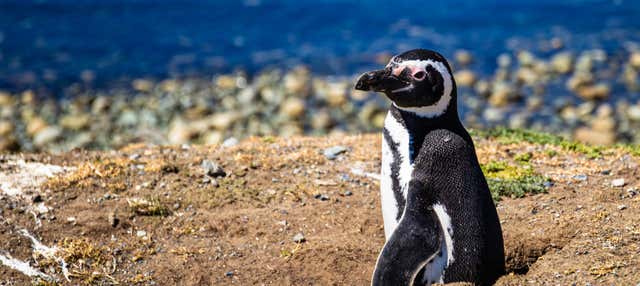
(440, 222)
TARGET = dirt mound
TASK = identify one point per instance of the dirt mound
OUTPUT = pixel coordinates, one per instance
(285, 214)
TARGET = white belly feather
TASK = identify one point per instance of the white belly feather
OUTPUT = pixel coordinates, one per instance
(400, 136)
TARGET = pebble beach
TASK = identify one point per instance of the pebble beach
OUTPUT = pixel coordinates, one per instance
(590, 96)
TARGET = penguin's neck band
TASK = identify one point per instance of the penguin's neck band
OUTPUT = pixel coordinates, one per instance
(430, 111)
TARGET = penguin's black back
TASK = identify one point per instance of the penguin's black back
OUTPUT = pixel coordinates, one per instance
(445, 160)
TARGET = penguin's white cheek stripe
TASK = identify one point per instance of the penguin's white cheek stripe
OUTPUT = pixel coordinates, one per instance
(441, 105)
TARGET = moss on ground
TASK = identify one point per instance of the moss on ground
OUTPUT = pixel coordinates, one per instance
(513, 180)
(511, 136)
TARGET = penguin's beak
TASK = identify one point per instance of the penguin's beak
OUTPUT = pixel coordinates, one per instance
(379, 80)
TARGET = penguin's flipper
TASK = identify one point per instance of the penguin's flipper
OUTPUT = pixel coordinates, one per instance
(414, 244)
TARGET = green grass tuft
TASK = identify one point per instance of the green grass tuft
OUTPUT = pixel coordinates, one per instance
(512, 181)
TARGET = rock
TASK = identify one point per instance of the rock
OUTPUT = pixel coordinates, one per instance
(562, 62)
(359, 95)
(332, 153)
(525, 58)
(127, 118)
(141, 233)
(580, 177)
(8, 143)
(47, 135)
(213, 137)
(35, 125)
(465, 78)
(290, 129)
(6, 99)
(590, 136)
(169, 85)
(578, 80)
(622, 207)
(483, 88)
(113, 218)
(100, 104)
(634, 112)
(348, 193)
(527, 76)
(6, 128)
(378, 119)
(463, 57)
(75, 121)
(502, 94)
(142, 85)
(293, 107)
(322, 197)
(493, 114)
(321, 120)
(634, 59)
(504, 60)
(228, 274)
(604, 124)
(212, 169)
(297, 81)
(594, 92)
(336, 93)
(230, 142)
(299, 238)
(618, 183)
(226, 82)
(179, 132)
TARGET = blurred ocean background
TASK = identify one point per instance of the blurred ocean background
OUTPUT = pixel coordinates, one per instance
(54, 42)
(103, 74)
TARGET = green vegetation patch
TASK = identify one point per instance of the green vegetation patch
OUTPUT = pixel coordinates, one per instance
(510, 136)
(512, 180)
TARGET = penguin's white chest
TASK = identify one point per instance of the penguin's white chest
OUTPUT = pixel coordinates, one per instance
(397, 166)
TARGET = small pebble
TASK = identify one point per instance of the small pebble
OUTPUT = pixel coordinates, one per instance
(622, 207)
(618, 182)
(113, 219)
(230, 142)
(212, 169)
(36, 199)
(333, 152)
(580, 177)
(321, 197)
(141, 233)
(299, 238)
(229, 274)
(348, 193)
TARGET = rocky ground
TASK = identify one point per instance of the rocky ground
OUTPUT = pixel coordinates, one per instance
(298, 212)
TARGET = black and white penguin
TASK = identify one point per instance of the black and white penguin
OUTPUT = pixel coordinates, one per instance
(440, 222)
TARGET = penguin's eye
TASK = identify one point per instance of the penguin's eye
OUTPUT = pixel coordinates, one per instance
(419, 75)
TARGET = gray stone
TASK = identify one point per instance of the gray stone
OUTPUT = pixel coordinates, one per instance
(333, 152)
(230, 142)
(299, 238)
(618, 182)
(212, 169)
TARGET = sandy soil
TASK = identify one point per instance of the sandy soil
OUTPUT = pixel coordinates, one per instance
(151, 216)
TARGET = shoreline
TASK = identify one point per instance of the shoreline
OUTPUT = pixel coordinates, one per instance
(590, 96)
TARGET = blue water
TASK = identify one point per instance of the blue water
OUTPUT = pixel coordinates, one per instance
(51, 43)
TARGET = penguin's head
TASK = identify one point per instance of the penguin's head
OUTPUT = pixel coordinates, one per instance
(418, 81)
